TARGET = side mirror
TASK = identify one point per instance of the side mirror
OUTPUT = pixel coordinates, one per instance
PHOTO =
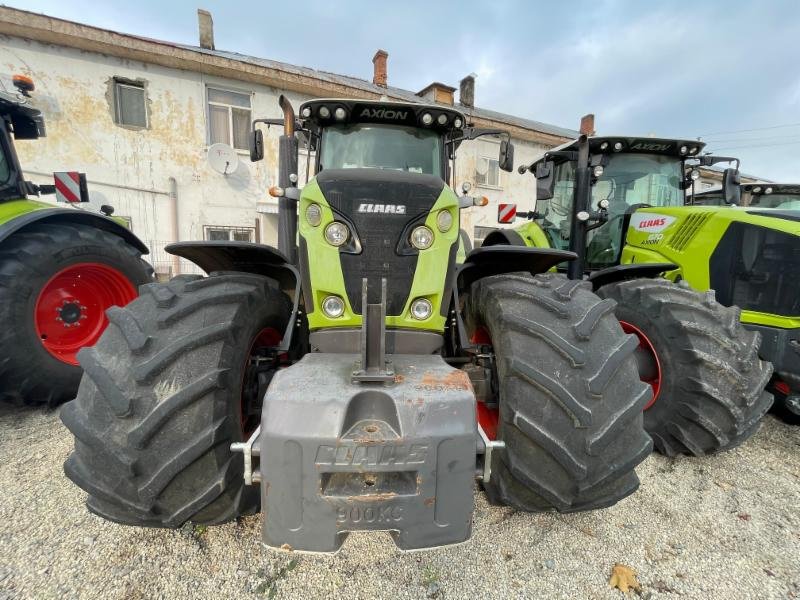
(506, 160)
(731, 188)
(256, 145)
(545, 180)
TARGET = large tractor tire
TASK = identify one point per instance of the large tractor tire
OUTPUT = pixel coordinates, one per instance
(176, 378)
(56, 282)
(708, 381)
(570, 399)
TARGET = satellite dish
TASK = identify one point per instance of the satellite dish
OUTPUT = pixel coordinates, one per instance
(222, 158)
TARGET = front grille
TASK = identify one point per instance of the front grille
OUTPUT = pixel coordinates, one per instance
(379, 233)
(757, 269)
(688, 229)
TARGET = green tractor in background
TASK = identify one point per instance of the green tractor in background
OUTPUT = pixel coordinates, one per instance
(764, 271)
(61, 269)
(358, 377)
(618, 202)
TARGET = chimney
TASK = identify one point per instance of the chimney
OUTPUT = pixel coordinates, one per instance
(206, 25)
(587, 124)
(379, 61)
(466, 93)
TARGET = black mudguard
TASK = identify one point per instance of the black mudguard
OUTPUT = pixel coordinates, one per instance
(238, 256)
(633, 271)
(71, 215)
(496, 260)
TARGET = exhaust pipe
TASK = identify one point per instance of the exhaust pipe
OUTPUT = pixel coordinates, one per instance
(287, 166)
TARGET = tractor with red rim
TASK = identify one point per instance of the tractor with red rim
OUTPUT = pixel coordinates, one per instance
(61, 269)
(618, 203)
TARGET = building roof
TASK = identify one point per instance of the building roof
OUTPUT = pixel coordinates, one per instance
(233, 65)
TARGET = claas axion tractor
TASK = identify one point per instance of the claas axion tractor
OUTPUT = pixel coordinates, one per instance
(756, 266)
(358, 377)
(61, 268)
(618, 203)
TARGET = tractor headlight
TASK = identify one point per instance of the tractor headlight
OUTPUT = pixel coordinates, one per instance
(604, 146)
(306, 112)
(757, 190)
(444, 220)
(340, 114)
(421, 309)
(421, 238)
(313, 214)
(336, 233)
(617, 146)
(333, 306)
(598, 170)
(768, 191)
(427, 119)
(324, 112)
(684, 150)
(442, 119)
(694, 174)
(457, 123)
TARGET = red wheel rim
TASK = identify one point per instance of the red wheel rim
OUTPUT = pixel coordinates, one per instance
(268, 337)
(782, 387)
(70, 311)
(646, 347)
(488, 416)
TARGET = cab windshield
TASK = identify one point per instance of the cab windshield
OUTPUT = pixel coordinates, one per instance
(628, 182)
(390, 147)
(783, 201)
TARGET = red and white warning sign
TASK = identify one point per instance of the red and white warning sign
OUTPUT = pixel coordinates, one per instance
(68, 186)
(506, 213)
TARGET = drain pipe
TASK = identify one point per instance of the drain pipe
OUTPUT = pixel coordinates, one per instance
(173, 197)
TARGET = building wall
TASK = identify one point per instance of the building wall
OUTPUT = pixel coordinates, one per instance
(142, 173)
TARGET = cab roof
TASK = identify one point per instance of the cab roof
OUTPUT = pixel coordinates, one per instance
(442, 119)
(27, 122)
(619, 144)
(775, 188)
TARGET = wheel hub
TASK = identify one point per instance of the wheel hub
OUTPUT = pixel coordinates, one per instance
(70, 312)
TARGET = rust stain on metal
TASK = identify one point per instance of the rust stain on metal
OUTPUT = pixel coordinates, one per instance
(429, 501)
(399, 378)
(454, 380)
(380, 497)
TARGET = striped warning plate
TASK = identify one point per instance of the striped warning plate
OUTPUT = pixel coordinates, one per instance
(506, 213)
(68, 186)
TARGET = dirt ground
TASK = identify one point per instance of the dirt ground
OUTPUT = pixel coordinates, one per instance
(722, 527)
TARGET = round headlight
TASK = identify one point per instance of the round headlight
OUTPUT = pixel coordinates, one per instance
(333, 306)
(693, 150)
(306, 112)
(457, 123)
(768, 191)
(421, 309)
(604, 146)
(466, 187)
(340, 114)
(684, 150)
(694, 174)
(427, 119)
(757, 190)
(336, 233)
(583, 216)
(598, 170)
(603, 203)
(617, 146)
(442, 119)
(313, 214)
(421, 238)
(444, 220)
(324, 112)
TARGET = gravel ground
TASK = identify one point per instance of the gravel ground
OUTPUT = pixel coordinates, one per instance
(724, 527)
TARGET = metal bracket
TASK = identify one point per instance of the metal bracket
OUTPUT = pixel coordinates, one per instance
(489, 446)
(373, 366)
(250, 448)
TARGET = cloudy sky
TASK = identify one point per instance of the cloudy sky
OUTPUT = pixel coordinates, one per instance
(726, 71)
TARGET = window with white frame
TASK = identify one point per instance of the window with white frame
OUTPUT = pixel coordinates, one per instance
(487, 172)
(229, 117)
(229, 234)
(130, 103)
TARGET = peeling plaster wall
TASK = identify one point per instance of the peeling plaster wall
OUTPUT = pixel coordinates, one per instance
(131, 168)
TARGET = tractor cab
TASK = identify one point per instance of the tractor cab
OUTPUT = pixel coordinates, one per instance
(20, 122)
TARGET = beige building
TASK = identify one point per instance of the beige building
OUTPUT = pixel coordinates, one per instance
(139, 116)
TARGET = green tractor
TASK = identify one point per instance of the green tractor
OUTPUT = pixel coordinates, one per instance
(61, 269)
(358, 377)
(618, 202)
(763, 261)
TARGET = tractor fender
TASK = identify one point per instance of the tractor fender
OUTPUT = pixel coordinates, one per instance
(503, 237)
(70, 215)
(247, 257)
(497, 260)
(603, 277)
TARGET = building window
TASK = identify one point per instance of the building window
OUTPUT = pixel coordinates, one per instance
(480, 233)
(229, 118)
(130, 103)
(487, 173)
(229, 234)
